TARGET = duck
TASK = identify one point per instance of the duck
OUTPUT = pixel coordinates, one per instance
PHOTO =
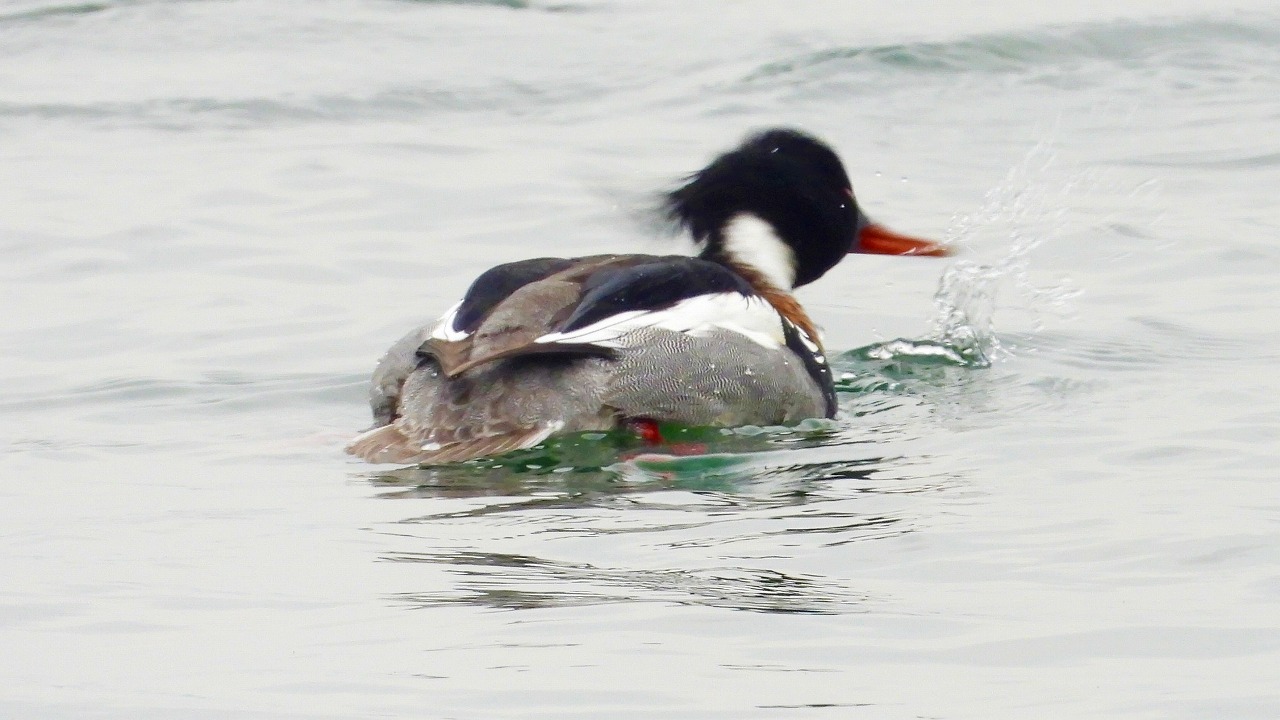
(549, 345)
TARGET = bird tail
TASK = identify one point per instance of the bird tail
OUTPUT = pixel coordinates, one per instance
(389, 444)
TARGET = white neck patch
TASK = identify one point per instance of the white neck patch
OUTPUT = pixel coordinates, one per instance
(751, 241)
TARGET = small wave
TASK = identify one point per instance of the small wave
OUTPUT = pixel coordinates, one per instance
(1125, 44)
(926, 353)
(515, 582)
(892, 382)
(54, 11)
(508, 4)
(392, 103)
(1212, 160)
(59, 10)
(512, 4)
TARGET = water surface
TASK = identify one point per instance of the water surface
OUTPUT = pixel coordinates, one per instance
(1054, 498)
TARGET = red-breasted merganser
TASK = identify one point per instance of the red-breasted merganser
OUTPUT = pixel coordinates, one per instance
(560, 345)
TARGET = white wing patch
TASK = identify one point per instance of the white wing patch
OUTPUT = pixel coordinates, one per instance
(443, 329)
(750, 316)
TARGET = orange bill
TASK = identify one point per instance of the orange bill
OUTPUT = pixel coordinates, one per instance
(879, 240)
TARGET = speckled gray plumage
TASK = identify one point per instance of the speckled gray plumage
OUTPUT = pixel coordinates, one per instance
(717, 379)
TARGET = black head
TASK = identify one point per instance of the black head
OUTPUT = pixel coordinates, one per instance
(788, 179)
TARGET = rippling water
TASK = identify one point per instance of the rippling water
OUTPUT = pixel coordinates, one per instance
(1050, 491)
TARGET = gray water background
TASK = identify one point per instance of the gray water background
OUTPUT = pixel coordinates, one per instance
(214, 216)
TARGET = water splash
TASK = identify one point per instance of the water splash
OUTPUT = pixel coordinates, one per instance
(1028, 212)
(1025, 211)
(964, 324)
